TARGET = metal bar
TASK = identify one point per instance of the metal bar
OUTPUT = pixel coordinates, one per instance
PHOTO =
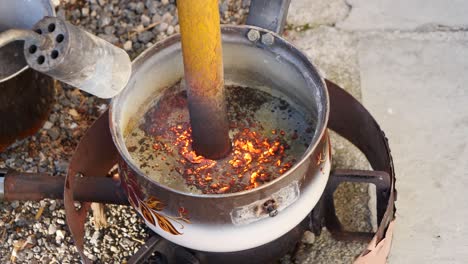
(36, 186)
(268, 14)
(203, 66)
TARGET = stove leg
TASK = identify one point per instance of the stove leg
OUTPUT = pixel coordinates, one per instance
(324, 213)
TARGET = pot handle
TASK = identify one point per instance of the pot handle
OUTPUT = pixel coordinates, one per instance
(268, 14)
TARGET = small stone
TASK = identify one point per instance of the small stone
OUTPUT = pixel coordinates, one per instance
(156, 18)
(104, 21)
(164, 2)
(145, 20)
(60, 221)
(95, 237)
(61, 166)
(163, 27)
(52, 207)
(132, 6)
(76, 14)
(59, 235)
(36, 249)
(145, 37)
(47, 125)
(85, 11)
(109, 30)
(52, 229)
(31, 240)
(167, 17)
(140, 7)
(108, 238)
(170, 30)
(152, 6)
(54, 133)
(127, 45)
(53, 117)
(308, 237)
(14, 204)
(73, 113)
(114, 249)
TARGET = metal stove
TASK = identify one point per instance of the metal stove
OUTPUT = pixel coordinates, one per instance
(347, 117)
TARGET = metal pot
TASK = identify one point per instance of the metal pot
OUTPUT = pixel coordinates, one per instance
(253, 57)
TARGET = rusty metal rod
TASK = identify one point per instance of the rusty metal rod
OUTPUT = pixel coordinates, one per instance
(204, 77)
(38, 186)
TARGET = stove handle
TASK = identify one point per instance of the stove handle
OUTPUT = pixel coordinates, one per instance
(325, 214)
(268, 14)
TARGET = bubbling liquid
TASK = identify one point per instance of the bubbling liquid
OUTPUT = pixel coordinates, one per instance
(268, 136)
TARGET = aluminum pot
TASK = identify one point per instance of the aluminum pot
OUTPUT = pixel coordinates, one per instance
(235, 221)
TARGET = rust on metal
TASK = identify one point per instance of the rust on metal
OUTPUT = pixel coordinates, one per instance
(38, 186)
(94, 157)
(203, 67)
(25, 104)
(352, 121)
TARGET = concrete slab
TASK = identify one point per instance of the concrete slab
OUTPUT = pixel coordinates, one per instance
(316, 12)
(417, 90)
(405, 15)
(333, 52)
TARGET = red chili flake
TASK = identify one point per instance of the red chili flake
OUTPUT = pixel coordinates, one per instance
(223, 189)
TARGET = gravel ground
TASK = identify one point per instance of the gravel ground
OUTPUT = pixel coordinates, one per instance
(44, 238)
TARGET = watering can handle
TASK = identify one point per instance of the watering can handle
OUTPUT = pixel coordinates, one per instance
(268, 14)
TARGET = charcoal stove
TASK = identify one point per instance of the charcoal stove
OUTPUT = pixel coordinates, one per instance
(97, 153)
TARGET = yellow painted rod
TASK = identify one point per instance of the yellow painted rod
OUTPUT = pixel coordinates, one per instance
(203, 67)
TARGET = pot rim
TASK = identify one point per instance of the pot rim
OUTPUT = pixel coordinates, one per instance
(225, 29)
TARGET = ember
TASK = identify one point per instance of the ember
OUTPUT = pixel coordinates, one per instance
(250, 156)
(268, 135)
